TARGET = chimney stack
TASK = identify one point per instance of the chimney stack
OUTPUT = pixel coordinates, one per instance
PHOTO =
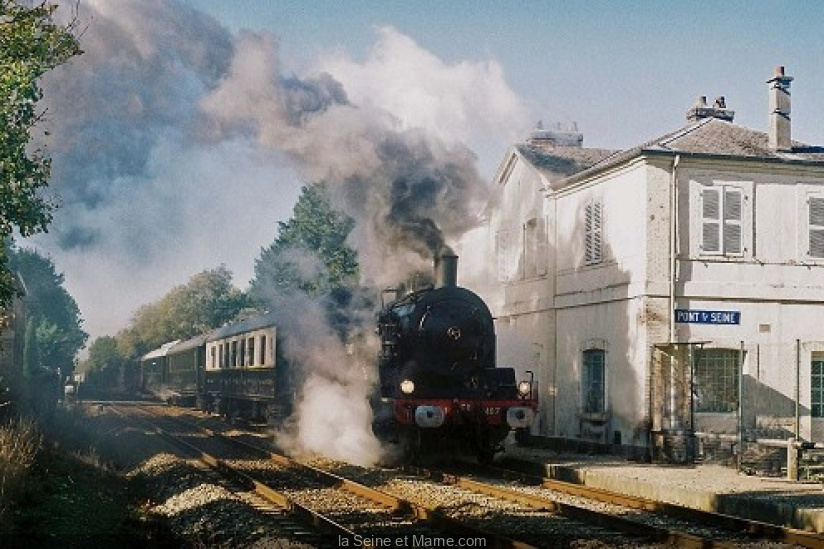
(559, 136)
(701, 110)
(780, 135)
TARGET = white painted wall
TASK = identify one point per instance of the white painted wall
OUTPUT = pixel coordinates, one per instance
(545, 322)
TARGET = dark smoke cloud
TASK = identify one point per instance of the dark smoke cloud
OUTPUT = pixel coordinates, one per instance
(178, 145)
(408, 191)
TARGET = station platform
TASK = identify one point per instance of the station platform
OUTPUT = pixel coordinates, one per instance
(795, 504)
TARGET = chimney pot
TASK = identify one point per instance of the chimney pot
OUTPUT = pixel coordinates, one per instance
(702, 110)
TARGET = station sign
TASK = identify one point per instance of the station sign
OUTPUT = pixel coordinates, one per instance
(699, 316)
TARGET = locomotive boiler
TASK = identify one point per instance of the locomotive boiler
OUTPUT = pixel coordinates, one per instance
(441, 390)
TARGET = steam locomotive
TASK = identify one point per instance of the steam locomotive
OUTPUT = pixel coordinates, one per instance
(440, 387)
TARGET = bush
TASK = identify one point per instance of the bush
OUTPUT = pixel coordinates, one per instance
(19, 443)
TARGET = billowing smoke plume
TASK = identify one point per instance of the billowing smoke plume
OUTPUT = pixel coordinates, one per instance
(177, 146)
(408, 191)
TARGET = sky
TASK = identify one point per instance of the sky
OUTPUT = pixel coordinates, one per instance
(186, 130)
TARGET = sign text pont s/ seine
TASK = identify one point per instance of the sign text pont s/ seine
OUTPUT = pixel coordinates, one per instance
(697, 316)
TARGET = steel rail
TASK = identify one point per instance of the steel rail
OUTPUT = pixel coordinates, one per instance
(299, 511)
(430, 516)
(622, 524)
(748, 527)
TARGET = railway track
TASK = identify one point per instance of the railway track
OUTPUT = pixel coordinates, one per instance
(490, 505)
(642, 509)
(668, 523)
(341, 511)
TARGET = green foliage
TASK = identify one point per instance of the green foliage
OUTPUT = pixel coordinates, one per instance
(207, 301)
(103, 354)
(31, 44)
(310, 253)
(31, 350)
(51, 309)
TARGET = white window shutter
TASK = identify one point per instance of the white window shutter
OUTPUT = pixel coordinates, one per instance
(588, 234)
(711, 220)
(542, 248)
(597, 231)
(507, 247)
(816, 224)
(733, 208)
(593, 241)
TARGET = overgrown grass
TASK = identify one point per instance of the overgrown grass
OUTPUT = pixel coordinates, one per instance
(57, 490)
(20, 441)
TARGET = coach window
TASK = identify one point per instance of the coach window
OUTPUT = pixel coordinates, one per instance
(251, 352)
(716, 380)
(212, 357)
(594, 381)
(242, 358)
(220, 357)
(263, 350)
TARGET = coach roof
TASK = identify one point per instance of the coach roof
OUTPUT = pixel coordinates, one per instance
(247, 325)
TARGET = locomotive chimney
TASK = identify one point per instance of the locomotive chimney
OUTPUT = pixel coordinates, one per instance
(446, 270)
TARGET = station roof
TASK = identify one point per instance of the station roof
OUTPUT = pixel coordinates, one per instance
(712, 137)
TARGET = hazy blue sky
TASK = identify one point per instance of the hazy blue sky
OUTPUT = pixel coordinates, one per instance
(625, 71)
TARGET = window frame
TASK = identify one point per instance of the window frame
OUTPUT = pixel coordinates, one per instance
(720, 394)
(817, 385)
(588, 388)
(724, 223)
(535, 248)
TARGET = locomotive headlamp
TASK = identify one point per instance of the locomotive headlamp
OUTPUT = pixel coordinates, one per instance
(407, 386)
(524, 388)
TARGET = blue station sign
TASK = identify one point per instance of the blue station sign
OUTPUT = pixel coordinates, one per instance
(698, 316)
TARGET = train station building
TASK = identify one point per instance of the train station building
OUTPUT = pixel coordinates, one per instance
(669, 290)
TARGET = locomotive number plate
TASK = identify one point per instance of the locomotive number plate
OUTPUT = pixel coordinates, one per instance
(492, 410)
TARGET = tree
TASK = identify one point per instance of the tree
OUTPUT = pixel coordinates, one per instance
(207, 301)
(31, 44)
(310, 253)
(31, 351)
(51, 309)
(103, 354)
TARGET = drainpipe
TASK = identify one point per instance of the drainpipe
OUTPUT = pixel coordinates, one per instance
(740, 405)
(672, 241)
(797, 388)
